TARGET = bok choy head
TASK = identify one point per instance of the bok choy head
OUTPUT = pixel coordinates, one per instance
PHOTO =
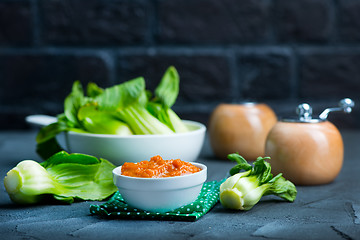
(245, 188)
(63, 177)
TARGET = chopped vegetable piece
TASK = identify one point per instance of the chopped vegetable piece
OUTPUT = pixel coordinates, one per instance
(243, 190)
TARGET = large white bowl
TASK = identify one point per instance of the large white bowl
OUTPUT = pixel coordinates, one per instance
(136, 148)
(160, 194)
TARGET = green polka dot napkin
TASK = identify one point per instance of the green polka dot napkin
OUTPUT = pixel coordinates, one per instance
(117, 208)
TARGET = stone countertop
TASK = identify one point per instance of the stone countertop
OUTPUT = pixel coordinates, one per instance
(329, 211)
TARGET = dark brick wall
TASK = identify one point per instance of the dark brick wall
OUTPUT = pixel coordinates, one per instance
(280, 52)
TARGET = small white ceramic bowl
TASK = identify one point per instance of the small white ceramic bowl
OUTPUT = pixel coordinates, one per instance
(134, 148)
(160, 194)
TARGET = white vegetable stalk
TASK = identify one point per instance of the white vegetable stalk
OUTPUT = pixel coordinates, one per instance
(27, 181)
(244, 194)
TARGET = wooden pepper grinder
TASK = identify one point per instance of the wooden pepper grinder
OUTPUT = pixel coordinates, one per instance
(308, 151)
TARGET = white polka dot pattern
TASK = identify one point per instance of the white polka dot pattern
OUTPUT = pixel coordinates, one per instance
(117, 207)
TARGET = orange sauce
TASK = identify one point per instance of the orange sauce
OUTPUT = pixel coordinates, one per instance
(158, 168)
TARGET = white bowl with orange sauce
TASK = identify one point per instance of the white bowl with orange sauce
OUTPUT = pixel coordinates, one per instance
(160, 194)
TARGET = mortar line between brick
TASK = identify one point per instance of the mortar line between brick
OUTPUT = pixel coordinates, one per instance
(218, 50)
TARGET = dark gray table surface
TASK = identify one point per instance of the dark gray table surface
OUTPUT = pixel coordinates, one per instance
(329, 211)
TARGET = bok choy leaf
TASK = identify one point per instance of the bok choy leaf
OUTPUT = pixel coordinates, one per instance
(72, 104)
(128, 101)
(95, 121)
(166, 94)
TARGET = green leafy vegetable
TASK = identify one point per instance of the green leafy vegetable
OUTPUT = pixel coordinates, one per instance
(64, 177)
(123, 109)
(168, 89)
(47, 148)
(242, 164)
(50, 131)
(120, 96)
(165, 96)
(73, 102)
(128, 102)
(95, 121)
(93, 90)
(244, 189)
